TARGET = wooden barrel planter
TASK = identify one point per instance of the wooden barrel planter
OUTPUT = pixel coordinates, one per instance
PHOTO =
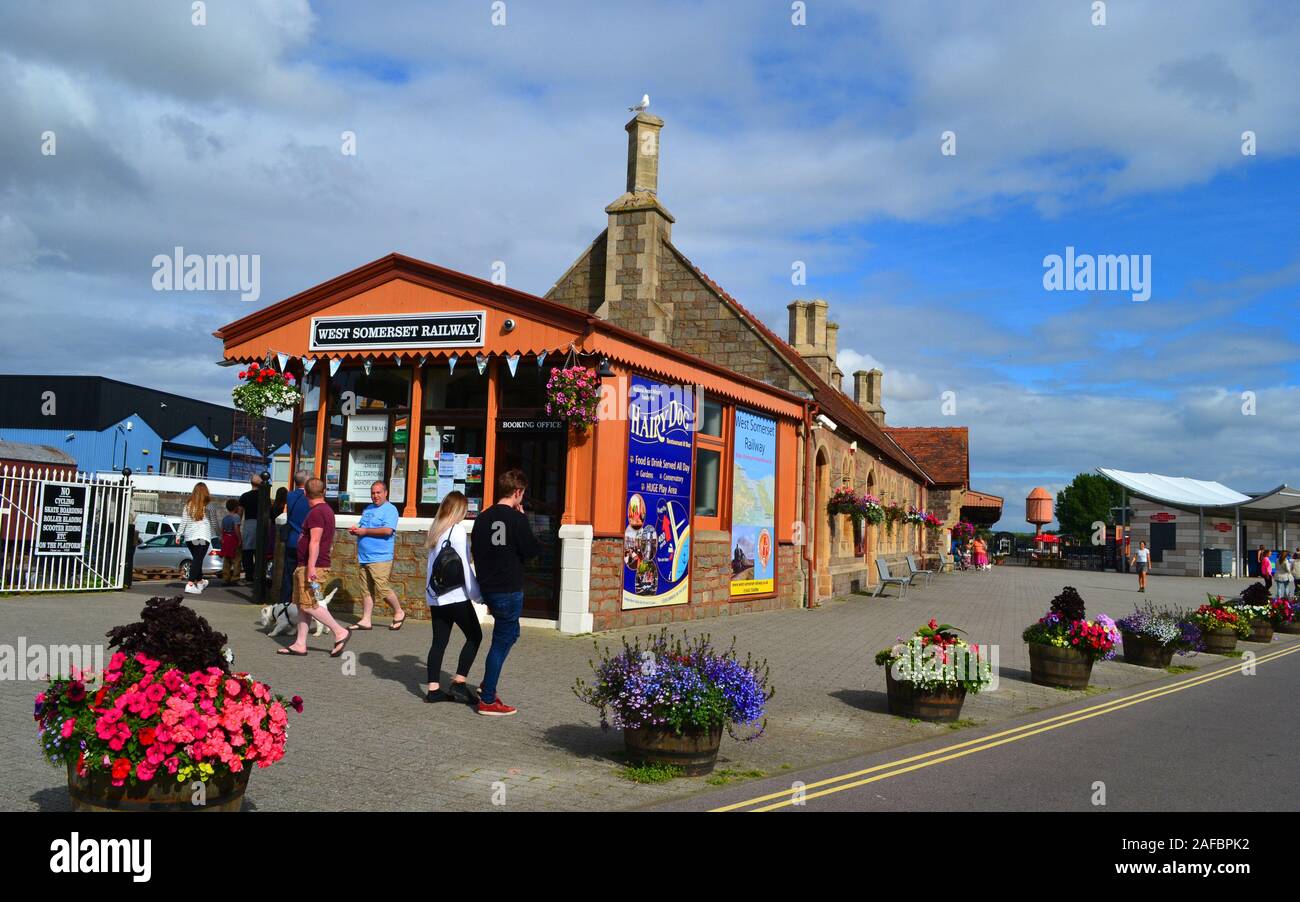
(934, 705)
(1065, 668)
(96, 792)
(1292, 628)
(1146, 652)
(1261, 630)
(1219, 642)
(695, 752)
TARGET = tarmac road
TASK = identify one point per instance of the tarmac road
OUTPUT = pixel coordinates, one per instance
(1217, 740)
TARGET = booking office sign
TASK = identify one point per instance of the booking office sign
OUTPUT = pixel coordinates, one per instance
(657, 537)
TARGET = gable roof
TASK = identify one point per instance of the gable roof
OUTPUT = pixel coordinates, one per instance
(596, 335)
(944, 451)
(833, 402)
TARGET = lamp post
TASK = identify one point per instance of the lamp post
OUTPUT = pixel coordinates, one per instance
(260, 586)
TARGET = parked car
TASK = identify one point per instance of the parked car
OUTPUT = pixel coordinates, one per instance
(162, 553)
(149, 525)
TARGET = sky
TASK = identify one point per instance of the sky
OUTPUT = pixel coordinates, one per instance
(820, 143)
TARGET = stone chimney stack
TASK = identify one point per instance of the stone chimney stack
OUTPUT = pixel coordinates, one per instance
(815, 339)
(638, 227)
(643, 154)
(866, 391)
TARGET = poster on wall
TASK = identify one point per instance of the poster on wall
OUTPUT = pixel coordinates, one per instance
(365, 467)
(657, 537)
(753, 506)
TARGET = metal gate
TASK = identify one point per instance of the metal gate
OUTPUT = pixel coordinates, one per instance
(62, 531)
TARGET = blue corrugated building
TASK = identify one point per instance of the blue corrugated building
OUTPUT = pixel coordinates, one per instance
(106, 425)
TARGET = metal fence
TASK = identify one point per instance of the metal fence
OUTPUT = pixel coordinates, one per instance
(62, 531)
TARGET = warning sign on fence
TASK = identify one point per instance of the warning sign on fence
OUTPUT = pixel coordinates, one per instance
(62, 526)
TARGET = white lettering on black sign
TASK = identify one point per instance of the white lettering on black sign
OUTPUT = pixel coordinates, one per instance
(416, 330)
(61, 529)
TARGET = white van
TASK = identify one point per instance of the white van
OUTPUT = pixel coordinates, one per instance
(147, 526)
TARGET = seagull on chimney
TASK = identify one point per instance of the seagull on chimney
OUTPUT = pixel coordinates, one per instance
(642, 106)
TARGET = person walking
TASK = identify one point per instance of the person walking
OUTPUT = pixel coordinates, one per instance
(1141, 558)
(248, 533)
(1286, 574)
(501, 541)
(980, 551)
(196, 532)
(452, 606)
(1266, 567)
(313, 569)
(230, 544)
(295, 511)
(376, 534)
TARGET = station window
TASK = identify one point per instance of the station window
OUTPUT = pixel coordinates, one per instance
(711, 459)
(369, 434)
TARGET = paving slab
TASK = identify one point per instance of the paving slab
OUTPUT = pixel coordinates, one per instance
(367, 741)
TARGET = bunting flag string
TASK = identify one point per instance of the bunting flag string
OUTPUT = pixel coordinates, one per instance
(513, 363)
(541, 359)
(481, 362)
(283, 360)
(307, 364)
(334, 365)
(451, 364)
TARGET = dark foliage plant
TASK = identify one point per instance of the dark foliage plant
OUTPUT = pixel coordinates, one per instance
(1255, 593)
(170, 632)
(1069, 605)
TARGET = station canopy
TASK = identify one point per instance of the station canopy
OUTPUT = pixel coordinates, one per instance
(1201, 494)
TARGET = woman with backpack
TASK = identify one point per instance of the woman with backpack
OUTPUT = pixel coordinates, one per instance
(451, 591)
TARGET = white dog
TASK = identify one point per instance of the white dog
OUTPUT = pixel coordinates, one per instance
(282, 619)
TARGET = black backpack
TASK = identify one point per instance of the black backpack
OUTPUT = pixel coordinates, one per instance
(448, 571)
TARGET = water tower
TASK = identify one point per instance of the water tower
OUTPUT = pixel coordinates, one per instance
(1038, 509)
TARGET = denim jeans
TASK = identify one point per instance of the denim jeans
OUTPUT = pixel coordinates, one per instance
(505, 608)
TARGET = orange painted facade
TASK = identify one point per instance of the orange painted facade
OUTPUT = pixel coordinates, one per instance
(595, 463)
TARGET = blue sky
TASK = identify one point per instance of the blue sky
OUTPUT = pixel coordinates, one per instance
(480, 143)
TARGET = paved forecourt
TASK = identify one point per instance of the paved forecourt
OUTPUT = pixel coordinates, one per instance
(367, 741)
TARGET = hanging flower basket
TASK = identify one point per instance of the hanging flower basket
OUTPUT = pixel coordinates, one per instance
(893, 514)
(263, 388)
(573, 395)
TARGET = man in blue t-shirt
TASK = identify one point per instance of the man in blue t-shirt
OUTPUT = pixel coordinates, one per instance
(376, 534)
(295, 511)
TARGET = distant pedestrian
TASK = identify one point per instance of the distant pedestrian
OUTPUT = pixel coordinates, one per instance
(197, 531)
(501, 541)
(1142, 559)
(248, 534)
(313, 572)
(376, 534)
(295, 511)
(1266, 567)
(981, 553)
(1286, 575)
(230, 544)
(451, 605)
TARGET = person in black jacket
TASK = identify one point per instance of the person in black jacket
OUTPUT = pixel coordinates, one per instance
(501, 541)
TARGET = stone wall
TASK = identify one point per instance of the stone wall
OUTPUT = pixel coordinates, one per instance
(410, 564)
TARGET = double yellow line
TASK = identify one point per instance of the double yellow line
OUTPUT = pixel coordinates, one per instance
(960, 750)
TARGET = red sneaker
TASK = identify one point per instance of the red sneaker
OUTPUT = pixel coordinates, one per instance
(494, 709)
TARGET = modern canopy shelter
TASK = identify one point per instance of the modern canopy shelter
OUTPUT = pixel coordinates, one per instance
(1211, 499)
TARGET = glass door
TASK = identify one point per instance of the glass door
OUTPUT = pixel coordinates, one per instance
(541, 454)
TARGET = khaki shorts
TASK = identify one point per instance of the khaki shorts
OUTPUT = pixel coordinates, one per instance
(302, 594)
(374, 579)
